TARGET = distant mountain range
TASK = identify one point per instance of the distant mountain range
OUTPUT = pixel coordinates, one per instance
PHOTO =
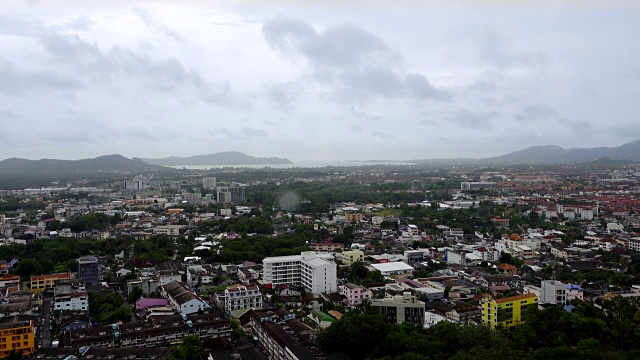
(553, 154)
(222, 158)
(106, 163)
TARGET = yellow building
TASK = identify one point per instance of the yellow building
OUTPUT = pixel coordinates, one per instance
(42, 282)
(349, 257)
(506, 312)
(16, 335)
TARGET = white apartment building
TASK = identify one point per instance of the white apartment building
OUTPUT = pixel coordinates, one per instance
(315, 272)
(209, 182)
(242, 297)
(75, 301)
(553, 292)
(70, 295)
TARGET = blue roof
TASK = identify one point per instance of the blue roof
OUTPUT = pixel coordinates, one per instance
(574, 287)
(569, 308)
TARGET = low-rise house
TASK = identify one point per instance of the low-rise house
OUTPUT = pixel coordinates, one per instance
(74, 322)
(144, 303)
(355, 294)
(574, 292)
(184, 301)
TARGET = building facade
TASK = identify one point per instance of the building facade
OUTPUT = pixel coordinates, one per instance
(315, 272)
(553, 292)
(506, 312)
(242, 297)
(209, 182)
(43, 282)
(401, 308)
(352, 256)
(16, 335)
(88, 270)
(355, 294)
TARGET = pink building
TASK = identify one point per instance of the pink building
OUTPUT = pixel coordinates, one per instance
(144, 303)
(355, 294)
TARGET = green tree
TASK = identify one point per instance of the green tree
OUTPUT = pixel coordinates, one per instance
(190, 349)
(354, 334)
(135, 294)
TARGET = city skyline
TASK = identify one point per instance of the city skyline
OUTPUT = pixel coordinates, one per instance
(416, 80)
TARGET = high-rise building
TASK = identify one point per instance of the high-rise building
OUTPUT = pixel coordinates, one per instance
(230, 194)
(88, 270)
(133, 185)
(223, 195)
(209, 182)
(506, 312)
(192, 198)
(315, 272)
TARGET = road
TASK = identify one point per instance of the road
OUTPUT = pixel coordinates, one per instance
(46, 315)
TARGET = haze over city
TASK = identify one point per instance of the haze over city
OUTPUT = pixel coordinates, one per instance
(315, 81)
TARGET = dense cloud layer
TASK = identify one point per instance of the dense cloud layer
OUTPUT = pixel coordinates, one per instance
(323, 82)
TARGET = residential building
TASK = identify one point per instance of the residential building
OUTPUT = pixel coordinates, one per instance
(70, 295)
(192, 198)
(16, 334)
(242, 297)
(162, 331)
(88, 270)
(553, 292)
(355, 294)
(315, 272)
(9, 281)
(43, 282)
(209, 182)
(574, 292)
(477, 185)
(133, 185)
(353, 217)
(180, 297)
(506, 312)
(326, 246)
(352, 256)
(230, 194)
(281, 336)
(401, 308)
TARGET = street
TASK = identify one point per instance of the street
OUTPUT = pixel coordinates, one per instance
(45, 337)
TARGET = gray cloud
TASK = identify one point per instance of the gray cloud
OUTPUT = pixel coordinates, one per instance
(120, 65)
(253, 132)
(465, 118)
(283, 94)
(536, 112)
(499, 51)
(16, 82)
(575, 125)
(356, 63)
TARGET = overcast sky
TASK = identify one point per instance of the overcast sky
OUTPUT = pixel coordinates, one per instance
(315, 80)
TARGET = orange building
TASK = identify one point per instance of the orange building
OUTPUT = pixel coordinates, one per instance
(16, 335)
(43, 282)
